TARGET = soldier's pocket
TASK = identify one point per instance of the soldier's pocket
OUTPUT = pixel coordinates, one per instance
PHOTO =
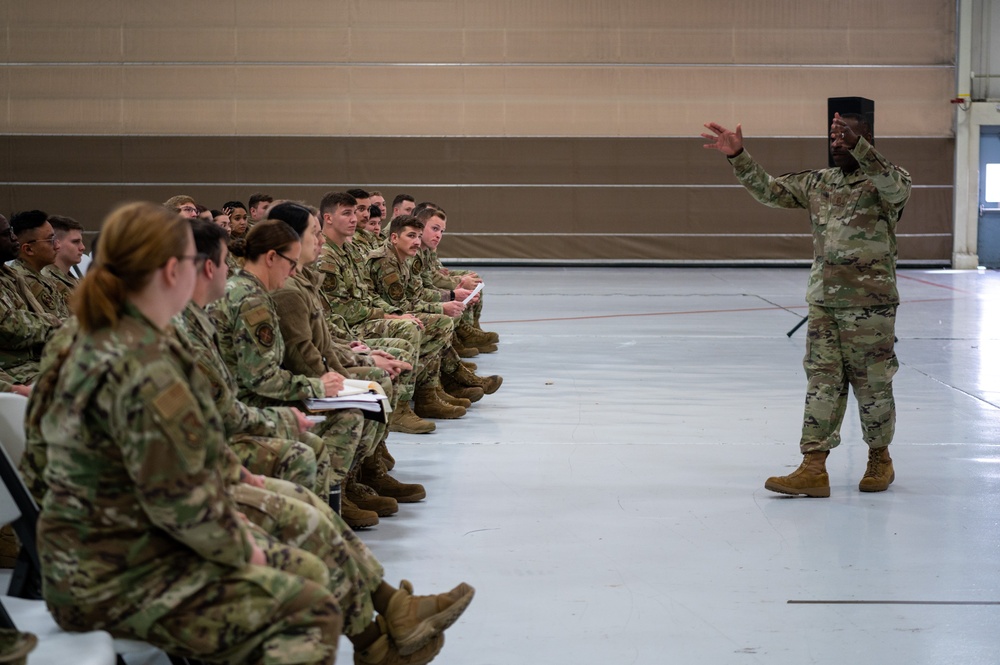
(880, 374)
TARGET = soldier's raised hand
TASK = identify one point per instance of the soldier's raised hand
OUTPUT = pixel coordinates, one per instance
(727, 142)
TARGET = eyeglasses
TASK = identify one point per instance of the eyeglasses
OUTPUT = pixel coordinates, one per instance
(188, 209)
(295, 264)
(51, 239)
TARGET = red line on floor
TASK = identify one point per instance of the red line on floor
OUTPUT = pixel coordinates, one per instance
(929, 283)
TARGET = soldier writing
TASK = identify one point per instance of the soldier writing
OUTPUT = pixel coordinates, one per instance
(852, 295)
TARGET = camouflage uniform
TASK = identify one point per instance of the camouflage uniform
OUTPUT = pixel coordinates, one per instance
(432, 275)
(397, 285)
(267, 441)
(44, 290)
(310, 349)
(138, 534)
(64, 285)
(251, 345)
(348, 301)
(24, 327)
(7, 382)
(852, 288)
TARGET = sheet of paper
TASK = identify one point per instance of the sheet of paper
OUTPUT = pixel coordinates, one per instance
(479, 287)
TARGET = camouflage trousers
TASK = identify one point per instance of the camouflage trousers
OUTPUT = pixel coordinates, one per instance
(435, 335)
(341, 432)
(399, 349)
(289, 460)
(257, 614)
(850, 346)
(300, 521)
(373, 432)
(473, 312)
(24, 372)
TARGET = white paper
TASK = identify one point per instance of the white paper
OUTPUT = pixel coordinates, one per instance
(479, 287)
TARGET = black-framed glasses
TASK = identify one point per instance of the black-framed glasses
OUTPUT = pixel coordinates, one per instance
(295, 264)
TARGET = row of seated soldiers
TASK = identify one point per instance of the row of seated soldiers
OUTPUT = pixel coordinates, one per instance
(271, 327)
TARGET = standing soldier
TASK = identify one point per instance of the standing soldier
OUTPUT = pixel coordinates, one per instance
(852, 293)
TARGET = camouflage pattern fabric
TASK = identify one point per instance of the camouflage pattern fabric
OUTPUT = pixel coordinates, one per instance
(252, 347)
(285, 512)
(267, 440)
(849, 346)
(64, 285)
(24, 327)
(45, 291)
(147, 543)
(433, 277)
(853, 223)
(852, 287)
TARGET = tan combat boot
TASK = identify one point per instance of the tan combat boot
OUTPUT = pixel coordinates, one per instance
(473, 337)
(383, 651)
(368, 498)
(471, 366)
(427, 405)
(354, 516)
(809, 479)
(879, 474)
(471, 393)
(374, 475)
(390, 461)
(462, 350)
(406, 422)
(448, 398)
(463, 376)
(413, 621)
(491, 337)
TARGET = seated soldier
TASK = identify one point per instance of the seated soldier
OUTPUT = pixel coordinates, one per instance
(182, 204)
(392, 271)
(24, 324)
(311, 351)
(38, 248)
(176, 553)
(64, 272)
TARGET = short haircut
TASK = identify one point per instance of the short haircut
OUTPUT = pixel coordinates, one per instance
(208, 238)
(359, 193)
(400, 198)
(400, 222)
(27, 220)
(175, 202)
(375, 192)
(295, 215)
(334, 199)
(260, 198)
(63, 225)
(374, 211)
(426, 213)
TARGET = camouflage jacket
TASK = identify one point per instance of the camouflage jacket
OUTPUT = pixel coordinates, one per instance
(45, 291)
(345, 292)
(398, 282)
(364, 242)
(24, 327)
(64, 285)
(137, 516)
(853, 218)
(310, 347)
(197, 334)
(251, 345)
(427, 265)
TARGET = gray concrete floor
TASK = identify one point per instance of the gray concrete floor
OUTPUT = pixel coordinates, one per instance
(608, 503)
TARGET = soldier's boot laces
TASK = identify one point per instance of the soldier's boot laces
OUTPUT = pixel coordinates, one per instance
(810, 479)
(453, 388)
(473, 337)
(413, 621)
(368, 498)
(427, 405)
(355, 517)
(879, 474)
(448, 398)
(463, 376)
(407, 422)
(375, 475)
(383, 651)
